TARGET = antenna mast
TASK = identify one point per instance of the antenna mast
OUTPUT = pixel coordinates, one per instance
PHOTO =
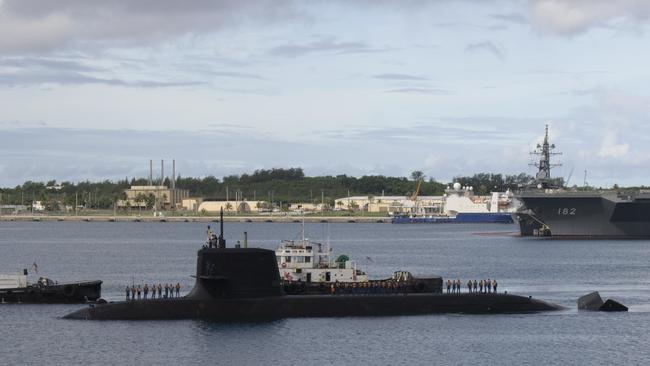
(544, 151)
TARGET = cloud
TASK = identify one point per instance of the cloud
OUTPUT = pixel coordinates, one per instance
(404, 77)
(22, 124)
(517, 18)
(31, 71)
(610, 148)
(232, 74)
(33, 26)
(328, 45)
(570, 17)
(488, 46)
(68, 78)
(45, 63)
(448, 130)
(431, 91)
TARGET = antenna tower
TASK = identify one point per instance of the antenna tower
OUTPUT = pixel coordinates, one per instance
(544, 165)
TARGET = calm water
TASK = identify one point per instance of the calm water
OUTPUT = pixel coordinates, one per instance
(119, 253)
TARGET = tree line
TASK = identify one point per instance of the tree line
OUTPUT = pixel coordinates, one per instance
(276, 185)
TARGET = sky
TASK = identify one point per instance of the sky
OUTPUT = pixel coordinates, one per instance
(92, 90)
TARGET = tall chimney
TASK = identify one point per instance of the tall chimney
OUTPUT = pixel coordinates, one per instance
(162, 172)
(173, 173)
(150, 172)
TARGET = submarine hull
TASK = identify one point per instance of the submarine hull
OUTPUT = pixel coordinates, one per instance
(295, 306)
(243, 284)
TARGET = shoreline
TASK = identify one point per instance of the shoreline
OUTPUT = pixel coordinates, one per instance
(249, 219)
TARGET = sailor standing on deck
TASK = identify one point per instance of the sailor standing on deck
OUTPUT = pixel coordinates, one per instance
(475, 286)
(480, 286)
(178, 289)
(210, 234)
(494, 284)
(448, 285)
(128, 290)
(469, 286)
(489, 286)
(145, 289)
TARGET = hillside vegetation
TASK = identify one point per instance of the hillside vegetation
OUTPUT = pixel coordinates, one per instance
(281, 185)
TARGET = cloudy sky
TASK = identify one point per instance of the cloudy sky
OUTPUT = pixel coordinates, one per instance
(94, 89)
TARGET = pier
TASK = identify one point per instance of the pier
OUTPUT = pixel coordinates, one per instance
(204, 219)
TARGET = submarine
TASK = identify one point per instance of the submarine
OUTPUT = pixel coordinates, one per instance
(243, 284)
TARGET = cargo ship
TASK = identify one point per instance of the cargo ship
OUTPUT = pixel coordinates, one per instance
(461, 206)
(550, 210)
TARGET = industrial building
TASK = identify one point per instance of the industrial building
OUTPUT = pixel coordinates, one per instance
(164, 198)
(390, 204)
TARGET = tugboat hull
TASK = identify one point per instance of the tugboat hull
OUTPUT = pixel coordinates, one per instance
(68, 293)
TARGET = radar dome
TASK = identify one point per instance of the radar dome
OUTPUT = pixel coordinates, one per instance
(457, 186)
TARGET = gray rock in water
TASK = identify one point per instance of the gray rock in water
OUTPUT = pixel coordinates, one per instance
(591, 301)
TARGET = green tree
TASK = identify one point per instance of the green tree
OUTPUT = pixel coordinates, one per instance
(417, 175)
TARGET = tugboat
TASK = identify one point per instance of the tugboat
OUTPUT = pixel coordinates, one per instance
(243, 284)
(305, 268)
(16, 289)
(306, 261)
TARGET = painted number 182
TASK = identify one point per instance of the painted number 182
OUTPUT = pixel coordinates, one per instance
(566, 211)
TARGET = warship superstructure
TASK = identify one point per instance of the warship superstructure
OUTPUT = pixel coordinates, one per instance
(553, 211)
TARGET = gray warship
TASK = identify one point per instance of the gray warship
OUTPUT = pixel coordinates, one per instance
(550, 210)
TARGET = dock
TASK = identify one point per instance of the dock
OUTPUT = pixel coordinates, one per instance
(203, 219)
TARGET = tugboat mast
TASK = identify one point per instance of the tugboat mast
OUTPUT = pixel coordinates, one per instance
(544, 151)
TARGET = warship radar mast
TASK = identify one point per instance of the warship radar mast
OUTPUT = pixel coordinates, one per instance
(545, 151)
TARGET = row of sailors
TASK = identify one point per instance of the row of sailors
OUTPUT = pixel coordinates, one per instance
(135, 292)
(375, 287)
(481, 287)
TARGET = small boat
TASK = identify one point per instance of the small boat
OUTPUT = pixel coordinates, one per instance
(14, 288)
(306, 268)
(306, 261)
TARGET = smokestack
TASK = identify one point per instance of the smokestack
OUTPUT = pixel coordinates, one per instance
(150, 172)
(174, 173)
(162, 172)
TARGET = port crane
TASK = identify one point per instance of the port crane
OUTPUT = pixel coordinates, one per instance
(416, 193)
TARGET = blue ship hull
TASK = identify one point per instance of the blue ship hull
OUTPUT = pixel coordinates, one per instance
(461, 218)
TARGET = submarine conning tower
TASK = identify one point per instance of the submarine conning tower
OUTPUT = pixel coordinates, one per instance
(235, 272)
